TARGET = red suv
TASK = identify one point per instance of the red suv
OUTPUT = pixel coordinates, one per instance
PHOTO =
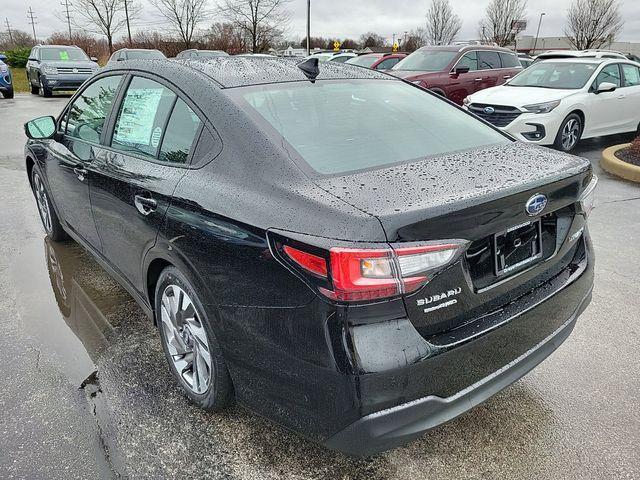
(455, 71)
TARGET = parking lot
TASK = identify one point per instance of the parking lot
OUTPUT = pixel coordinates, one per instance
(85, 390)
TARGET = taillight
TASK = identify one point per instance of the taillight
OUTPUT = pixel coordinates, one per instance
(360, 274)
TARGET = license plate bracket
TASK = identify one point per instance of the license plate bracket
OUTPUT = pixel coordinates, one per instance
(517, 247)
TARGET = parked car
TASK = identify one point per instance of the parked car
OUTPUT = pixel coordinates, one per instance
(339, 57)
(456, 72)
(195, 53)
(377, 61)
(525, 60)
(558, 102)
(555, 54)
(136, 54)
(6, 82)
(359, 285)
(58, 67)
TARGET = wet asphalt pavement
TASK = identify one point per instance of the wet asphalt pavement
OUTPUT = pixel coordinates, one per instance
(85, 390)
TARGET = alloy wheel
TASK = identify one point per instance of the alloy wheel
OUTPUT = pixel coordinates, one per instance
(186, 339)
(43, 203)
(570, 134)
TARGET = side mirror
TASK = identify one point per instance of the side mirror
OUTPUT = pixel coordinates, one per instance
(94, 59)
(462, 69)
(41, 127)
(33, 59)
(606, 87)
(119, 59)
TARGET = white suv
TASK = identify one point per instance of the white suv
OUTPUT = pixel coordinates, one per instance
(558, 102)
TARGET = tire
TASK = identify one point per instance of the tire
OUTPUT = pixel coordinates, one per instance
(186, 334)
(569, 133)
(48, 216)
(46, 92)
(8, 93)
(34, 90)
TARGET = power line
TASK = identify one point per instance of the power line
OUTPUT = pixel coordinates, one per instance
(66, 5)
(33, 23)
(6, 22)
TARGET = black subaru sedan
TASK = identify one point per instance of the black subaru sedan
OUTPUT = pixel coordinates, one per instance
(339, 250)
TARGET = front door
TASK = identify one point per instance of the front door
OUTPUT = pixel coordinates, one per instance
(133, 179)
(464, 84)
(80, 129)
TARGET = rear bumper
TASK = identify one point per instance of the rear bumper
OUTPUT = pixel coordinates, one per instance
(394, 426)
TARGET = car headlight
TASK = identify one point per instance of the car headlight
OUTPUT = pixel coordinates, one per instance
(588, 196)
(542, 107)
(466, 101)
(49, 70)
(3, 68)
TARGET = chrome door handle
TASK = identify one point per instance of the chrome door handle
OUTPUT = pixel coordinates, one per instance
(478, 79)
(145, 205)
(621, 96)
(507, 77)
(81, 172)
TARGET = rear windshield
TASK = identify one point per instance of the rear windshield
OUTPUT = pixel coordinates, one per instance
(141, 54)
(340, 126)
(561, 75)
(364, 61)
(426, 61)
(63, 54)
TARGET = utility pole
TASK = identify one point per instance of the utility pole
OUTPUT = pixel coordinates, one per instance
(535, 42)
(32, 21)
(308, 27)
(405, 40)
(126, 14)
(6, 22)
(66, 5)
(393, 42)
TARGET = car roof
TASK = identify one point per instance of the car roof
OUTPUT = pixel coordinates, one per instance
(593, 60)
(465, 48)
(58, 46)
(236, 71)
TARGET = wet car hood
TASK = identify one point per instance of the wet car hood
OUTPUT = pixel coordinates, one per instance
(435, 186)
(519, 96)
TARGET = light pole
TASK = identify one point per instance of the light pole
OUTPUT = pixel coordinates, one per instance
(535, 42)
(308, 27)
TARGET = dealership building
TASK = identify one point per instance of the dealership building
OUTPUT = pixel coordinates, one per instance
(528, 44)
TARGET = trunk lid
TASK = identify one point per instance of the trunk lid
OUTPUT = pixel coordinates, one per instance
(473, 196)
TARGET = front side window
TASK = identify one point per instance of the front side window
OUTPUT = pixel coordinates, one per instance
(488, 60)
(359, 124)
(387, 63)
(86, 115)
(631, 75)
(142, 117)
(62, 54)
(470, 60)
(181, 131)
(609, 74)
(363, 61)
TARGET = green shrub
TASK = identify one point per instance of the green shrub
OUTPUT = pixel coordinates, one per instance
(18, 57)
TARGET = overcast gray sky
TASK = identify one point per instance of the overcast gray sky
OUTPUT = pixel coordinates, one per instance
(344, 18)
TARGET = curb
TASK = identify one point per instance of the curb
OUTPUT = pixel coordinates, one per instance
(612, 164)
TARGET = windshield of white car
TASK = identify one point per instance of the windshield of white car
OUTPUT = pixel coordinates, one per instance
(560, 75)
(426, 61)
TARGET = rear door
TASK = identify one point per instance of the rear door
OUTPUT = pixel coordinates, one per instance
(510, 66)
(489, 65)
(133, 178)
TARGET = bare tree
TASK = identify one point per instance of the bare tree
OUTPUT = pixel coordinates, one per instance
(226, 37)
(442, 23)
(502, 21)
(262, 21)
(184, 16)
(415, 39)
(593, 23)
(371, 39)
(102, 16)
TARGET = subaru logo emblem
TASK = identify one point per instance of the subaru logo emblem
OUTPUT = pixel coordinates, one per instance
(535, 205)
(489, 110)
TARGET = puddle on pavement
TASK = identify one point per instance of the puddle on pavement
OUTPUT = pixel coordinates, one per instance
(64, 299)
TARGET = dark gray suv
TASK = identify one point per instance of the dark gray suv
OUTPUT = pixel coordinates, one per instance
(58, 67)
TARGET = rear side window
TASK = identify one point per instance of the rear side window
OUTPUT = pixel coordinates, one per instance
(345, 125)
(86, 115)
(181, 131)
(611, 74)
(488, 60)
(142, 118)
(509, 60)
(631, 75)
(470, 60)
